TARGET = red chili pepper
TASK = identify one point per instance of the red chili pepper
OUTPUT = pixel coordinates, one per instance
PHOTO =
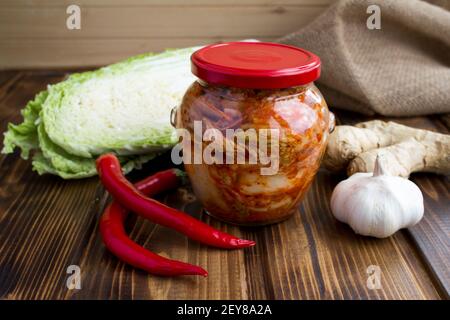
(125, 193)
(118, 242)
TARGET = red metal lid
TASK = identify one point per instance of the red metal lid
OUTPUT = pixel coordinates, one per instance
(258, 65)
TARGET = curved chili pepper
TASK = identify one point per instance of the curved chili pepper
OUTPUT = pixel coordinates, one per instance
(125, 193)
(118, 242)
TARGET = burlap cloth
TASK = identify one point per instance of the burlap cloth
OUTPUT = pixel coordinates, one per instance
(402, 69)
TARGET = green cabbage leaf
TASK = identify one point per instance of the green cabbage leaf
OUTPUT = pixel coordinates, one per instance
(122, 108)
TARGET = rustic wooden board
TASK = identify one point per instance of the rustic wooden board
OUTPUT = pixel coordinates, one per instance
(35, 54)
(150, 22)
(47, 224)
(432, 235)
(34, 34)
(163, 3)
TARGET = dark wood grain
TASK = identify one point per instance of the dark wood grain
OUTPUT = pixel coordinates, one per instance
(432, 235)
(47, 224)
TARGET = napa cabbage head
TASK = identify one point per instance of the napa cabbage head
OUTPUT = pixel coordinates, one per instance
(122, 108)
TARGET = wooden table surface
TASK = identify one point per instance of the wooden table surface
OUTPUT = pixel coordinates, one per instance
(48, 224)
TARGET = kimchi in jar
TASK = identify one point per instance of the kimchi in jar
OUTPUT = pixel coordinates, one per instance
(253, 101)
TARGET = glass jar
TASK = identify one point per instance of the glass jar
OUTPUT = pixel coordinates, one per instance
(280, 118)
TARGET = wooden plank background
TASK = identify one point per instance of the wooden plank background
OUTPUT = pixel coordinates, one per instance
(47, 224)
(33, 34)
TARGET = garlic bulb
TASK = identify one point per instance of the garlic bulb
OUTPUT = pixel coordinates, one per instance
(377, 204)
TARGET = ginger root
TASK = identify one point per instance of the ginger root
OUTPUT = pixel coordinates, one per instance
(404, 149)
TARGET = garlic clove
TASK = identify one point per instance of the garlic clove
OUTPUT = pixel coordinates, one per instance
(377, 204)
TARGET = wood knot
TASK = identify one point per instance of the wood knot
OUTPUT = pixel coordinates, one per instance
(279, 10)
